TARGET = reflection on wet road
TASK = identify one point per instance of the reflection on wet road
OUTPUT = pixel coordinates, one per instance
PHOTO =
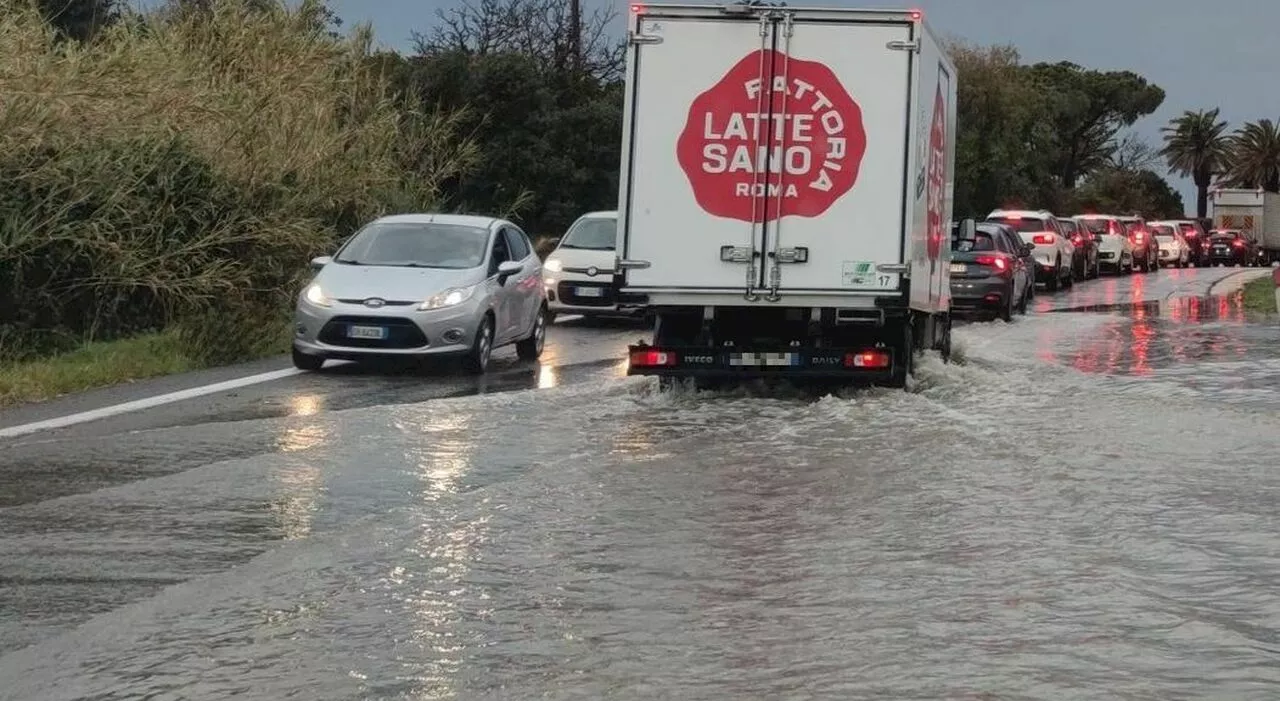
(1083, 508)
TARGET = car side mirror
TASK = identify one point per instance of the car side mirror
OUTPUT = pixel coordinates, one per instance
(1028, 249)
(319, 262)
(508, 268)
(968, 230)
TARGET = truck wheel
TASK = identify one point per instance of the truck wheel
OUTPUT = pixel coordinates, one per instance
(944, 347)
(905, 369)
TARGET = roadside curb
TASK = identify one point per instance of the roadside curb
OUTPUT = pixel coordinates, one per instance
(1235, 281)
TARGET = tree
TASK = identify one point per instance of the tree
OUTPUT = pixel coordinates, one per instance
(1117, 190)
(1255, 156)
(1000, 134)
(550, 31)
(1088, 109)
(1133, 153)
(1195, 145)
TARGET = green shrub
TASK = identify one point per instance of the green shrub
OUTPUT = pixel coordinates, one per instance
(180, 171)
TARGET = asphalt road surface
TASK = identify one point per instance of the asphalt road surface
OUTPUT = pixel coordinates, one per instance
(1080, 507)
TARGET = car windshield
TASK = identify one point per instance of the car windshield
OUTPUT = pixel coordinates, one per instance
(1224, 235)
(1132, 226)
(1163, 232)
(1187, 228)
(980, 242)
(595, 233)
(1068, 226)
(1023, 224)
(1097, 226)
(417, 244)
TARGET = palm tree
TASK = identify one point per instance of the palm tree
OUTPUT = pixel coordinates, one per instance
(1255, 156)
(1195, 145)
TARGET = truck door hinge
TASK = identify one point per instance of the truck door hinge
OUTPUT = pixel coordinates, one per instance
(636, 39)
(898, 45)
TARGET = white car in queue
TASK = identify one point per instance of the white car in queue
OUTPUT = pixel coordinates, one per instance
(1054, 252)
(1174, 250)
(579, 273)
(1115, 248)
(424, 285)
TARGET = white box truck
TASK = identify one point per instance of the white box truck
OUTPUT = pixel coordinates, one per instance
(786, 191)
(1255, 213)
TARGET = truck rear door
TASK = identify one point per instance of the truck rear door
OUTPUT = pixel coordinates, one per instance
(753, 136)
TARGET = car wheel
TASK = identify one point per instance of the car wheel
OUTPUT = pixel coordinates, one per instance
(1006, 310)
(531, 347)
(476, 361)
(1070, 280)
(304, 361)
(1025, 301)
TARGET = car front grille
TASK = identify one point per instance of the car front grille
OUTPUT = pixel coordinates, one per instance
(401, 333)
(568, 294)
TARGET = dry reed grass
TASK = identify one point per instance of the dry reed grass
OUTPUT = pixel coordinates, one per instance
(182, 168)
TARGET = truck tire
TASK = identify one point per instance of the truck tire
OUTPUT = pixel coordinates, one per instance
(907, 345)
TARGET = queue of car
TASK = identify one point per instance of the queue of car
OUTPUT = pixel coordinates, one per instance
(460, 286)
(996, 272)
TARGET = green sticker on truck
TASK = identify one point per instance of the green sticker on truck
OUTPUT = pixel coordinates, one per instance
(863, 273)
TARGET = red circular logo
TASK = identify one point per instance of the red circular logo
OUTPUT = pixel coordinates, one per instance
(937, 174)
(739, 161)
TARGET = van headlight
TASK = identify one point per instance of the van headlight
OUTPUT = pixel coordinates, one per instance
(316, 296)
(451, 297)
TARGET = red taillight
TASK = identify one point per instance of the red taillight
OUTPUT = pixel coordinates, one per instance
(1137, 237)
(652, 358)
(998, 262)
(867, 359)
(1238, 243)
(1043, 239)
(916, 15)
(1077, 240)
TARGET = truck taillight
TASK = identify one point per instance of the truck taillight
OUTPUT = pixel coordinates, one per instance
(868, 359)
(637, 9)
(652, 358)
(1238, 243)
(916, 15)
(1043, 239)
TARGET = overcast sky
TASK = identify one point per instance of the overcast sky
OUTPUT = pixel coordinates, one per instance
(1236, 68)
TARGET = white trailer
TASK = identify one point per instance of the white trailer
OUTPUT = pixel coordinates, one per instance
(1255, 213)
(786, 190)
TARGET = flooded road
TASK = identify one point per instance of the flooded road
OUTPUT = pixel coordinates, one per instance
(1084, 507)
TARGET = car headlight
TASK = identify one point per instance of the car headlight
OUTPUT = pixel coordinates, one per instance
(316, 296)
(451, 297)
(553, 264)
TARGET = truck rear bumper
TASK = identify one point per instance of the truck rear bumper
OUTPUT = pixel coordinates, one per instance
(853, 364)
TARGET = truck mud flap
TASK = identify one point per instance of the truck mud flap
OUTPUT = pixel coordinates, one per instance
(856, 364)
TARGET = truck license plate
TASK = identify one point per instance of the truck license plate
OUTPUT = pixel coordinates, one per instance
(763, 359)
(590, 292)
(376, 333)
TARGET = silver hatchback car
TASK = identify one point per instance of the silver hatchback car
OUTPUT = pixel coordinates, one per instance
(422, 285)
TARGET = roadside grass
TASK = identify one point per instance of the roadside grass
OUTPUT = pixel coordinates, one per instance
(100, 364)
(1259, 295)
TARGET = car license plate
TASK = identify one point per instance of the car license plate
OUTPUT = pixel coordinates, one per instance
(371, 332)
(958, 267)
(590, 292)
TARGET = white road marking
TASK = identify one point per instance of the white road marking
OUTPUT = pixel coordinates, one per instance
(145, 403)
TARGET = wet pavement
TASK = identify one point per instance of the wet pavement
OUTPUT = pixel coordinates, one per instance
(1081, 507)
